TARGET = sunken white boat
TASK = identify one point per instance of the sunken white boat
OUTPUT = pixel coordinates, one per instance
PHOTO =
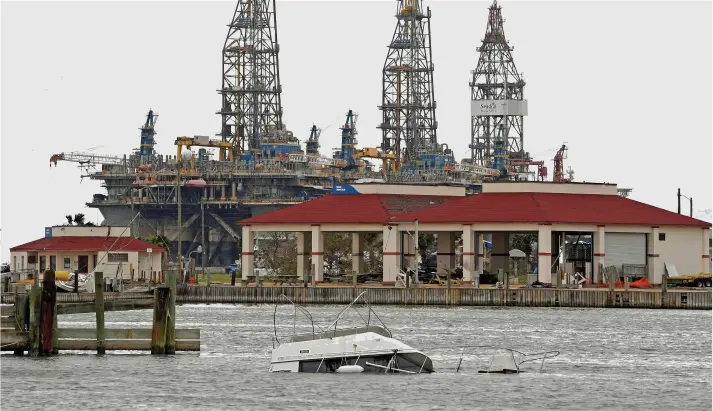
(366, 348)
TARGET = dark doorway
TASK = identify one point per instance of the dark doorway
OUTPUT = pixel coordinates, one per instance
(53, 262)
(83, 264)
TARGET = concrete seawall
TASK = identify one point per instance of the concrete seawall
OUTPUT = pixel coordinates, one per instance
(488, 297)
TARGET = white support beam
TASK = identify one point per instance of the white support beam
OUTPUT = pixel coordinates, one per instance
(544, 253)
(247, 261)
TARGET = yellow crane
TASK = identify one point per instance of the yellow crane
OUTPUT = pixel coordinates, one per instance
(389, 160)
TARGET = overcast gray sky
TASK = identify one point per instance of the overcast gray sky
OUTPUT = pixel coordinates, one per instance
(626, 85)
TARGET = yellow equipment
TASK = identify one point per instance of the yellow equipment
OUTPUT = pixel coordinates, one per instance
(225, 149)
(389, 160)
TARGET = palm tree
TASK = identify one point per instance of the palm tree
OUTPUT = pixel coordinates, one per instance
(79, 219)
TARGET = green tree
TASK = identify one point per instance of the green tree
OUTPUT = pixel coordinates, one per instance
(159, 240)
(69, 219)
(278, 253)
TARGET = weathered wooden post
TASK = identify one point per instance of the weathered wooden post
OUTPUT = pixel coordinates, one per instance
(99, 303)
(22, 304)
(76, 281)
(448, 285)
(171, 322)
(354, 278)
(506, 277)
(664, 289)
(232, 277)
(55, 334)
(47, 316)
(34, 331)
(160, 319)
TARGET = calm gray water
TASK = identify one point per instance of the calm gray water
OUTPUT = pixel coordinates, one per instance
(611, 359)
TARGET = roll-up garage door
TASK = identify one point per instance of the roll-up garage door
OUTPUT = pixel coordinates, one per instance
(625, 248)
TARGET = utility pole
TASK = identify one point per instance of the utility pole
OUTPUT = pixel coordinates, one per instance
(690, 200)
(203, 241)
(180, 220)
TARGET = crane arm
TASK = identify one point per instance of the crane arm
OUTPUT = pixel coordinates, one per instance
(86, 158)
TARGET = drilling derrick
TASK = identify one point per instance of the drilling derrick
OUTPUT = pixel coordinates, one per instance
(408, 105)
(498, 105)
(252, 110)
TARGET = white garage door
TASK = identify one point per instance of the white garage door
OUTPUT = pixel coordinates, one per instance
(625, 248)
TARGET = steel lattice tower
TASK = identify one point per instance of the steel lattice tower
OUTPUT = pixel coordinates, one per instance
(408, 103)
(498, 105)
(252, 109)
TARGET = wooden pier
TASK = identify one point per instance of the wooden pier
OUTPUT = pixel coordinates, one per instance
(516, 297)
(30, 324)
(519, 297)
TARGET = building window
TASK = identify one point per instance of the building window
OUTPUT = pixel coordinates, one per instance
(31, 259)
(662, 236)
(22, 262)
(43, 262)
(67, 263)
(118, 258)
(14, 263)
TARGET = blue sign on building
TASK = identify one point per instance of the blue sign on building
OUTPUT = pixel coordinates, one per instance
(48, 231)
(344, 189)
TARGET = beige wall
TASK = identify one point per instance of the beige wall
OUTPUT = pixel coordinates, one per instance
(412, 189)
(139, 262)
(549, 187)
(62, 231)
(682, 248)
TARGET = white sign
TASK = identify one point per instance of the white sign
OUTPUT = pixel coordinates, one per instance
(149, 250)
(498, 107)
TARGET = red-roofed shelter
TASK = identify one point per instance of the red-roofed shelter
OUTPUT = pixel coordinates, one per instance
(637, 238)
(86, 249)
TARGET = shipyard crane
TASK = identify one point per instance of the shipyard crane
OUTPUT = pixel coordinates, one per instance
(558, 176)
(85, 159)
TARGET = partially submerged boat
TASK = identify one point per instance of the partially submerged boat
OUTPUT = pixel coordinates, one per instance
(366, 348)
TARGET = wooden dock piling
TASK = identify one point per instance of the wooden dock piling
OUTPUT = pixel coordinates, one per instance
(159, 330)
(47, 316)
(99, 303)
(21, 313)
(171, 320)
(34, 329)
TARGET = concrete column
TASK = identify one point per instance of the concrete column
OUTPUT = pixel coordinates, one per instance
(318, 253)
(409, 250)
(445, 252)
(599, 253)
(706, 251)
(655, 266)
(358, 252)
(544, 253)
(500, 256)
(391, 254)
(468, 253)
(302, 257)
(248, 253)
(233, 193)
(480, 250)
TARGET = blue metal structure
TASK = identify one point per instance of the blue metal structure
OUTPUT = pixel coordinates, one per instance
(349, 141)
(146, 149)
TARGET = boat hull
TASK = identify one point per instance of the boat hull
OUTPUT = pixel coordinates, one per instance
(414, 362)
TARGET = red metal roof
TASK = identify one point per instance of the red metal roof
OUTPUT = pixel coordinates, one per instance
(349, 209)
(552, 208)
(115, 244)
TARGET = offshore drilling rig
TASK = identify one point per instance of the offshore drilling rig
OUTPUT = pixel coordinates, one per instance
(257, 164)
